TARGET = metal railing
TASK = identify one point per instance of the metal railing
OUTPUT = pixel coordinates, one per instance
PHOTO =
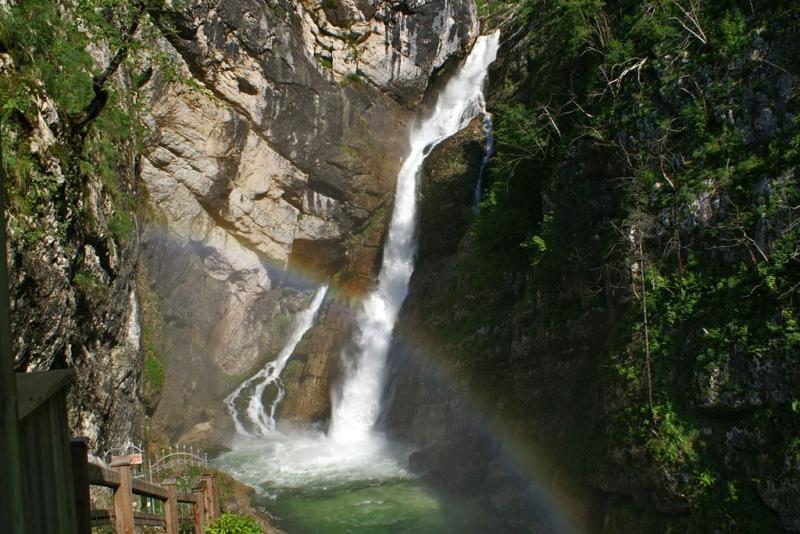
(177, 458)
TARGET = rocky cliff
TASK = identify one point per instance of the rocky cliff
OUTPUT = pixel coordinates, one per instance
(624, 306)
(172, 201)
(70, 156)
(269, 167)
(623, 310)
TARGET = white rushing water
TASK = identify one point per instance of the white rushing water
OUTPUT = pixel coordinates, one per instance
(356, 405)
(260, 417)
(488, 152)
(310, 459)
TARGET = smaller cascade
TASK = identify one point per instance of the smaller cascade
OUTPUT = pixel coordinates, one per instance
(262, 417)
(488, 152)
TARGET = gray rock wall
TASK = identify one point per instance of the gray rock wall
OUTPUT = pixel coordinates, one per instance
(265, 169)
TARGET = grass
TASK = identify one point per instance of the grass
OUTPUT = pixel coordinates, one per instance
(154, 371)
(325, 62)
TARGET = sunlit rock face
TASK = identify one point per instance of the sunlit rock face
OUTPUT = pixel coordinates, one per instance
(280, 153)
(394, 45)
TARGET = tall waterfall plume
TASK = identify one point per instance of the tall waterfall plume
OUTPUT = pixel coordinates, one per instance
(261, 417)
(356, 405)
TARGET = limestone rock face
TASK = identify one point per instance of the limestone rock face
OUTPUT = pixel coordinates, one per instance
(309, 382)
(745, 383)
(394, 45)
(270, 168)
(73, 298)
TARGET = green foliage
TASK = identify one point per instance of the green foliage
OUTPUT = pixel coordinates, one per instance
(152, 327)
(153, 369)
(229, 523)
(353, 77)
(48, 49)
(50, 73)
(90, 285)
(121, 225)
(349, 151)
(628, 119)
(674, 441)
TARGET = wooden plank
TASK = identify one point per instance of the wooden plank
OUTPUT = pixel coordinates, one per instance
(145, 519)
(33, 465)
(101, 517)
(211, 495)
(80, 477)
(47, 468)
(33, 389)
(12, 497)
(172, 521)
(199, 512)
(100, 476)
(189, 498)
(141, 519)
(140, 487)
(61, 479)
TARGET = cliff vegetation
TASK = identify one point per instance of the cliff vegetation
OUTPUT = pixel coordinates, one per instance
(629, 289)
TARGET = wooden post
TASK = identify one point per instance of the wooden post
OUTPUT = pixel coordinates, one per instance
(123, 496)
(171, 517)
(80, 478)
(211, 494)
(199, 510)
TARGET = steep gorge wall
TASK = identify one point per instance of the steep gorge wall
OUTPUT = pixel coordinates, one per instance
(71, 199)
(272, 169)
(537, 313)
(272, 132)
(460, 324)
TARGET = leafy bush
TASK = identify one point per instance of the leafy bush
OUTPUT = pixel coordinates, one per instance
(230, 523)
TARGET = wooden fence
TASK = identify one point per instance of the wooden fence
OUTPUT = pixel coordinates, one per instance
(203, 500)
(44, 454)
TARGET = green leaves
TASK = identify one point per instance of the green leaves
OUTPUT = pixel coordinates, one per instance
(154, 372)
(49, 49)
(229, 523)
(674, 105)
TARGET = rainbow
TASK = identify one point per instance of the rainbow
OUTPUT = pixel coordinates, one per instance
(561, 498)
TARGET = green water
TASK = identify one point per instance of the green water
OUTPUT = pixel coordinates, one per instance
(313, 485)
(389, 506)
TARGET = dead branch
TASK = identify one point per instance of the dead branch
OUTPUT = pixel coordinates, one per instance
(637, 67)
(691, 16)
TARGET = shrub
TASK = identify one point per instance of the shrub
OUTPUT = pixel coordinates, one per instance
(230, 523)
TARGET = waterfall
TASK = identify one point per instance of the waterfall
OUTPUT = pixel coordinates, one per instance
(263, 418)
(356, 404)
(488, 152)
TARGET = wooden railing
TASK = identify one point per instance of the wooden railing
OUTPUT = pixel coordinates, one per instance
(204, 499)
(44, 454)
